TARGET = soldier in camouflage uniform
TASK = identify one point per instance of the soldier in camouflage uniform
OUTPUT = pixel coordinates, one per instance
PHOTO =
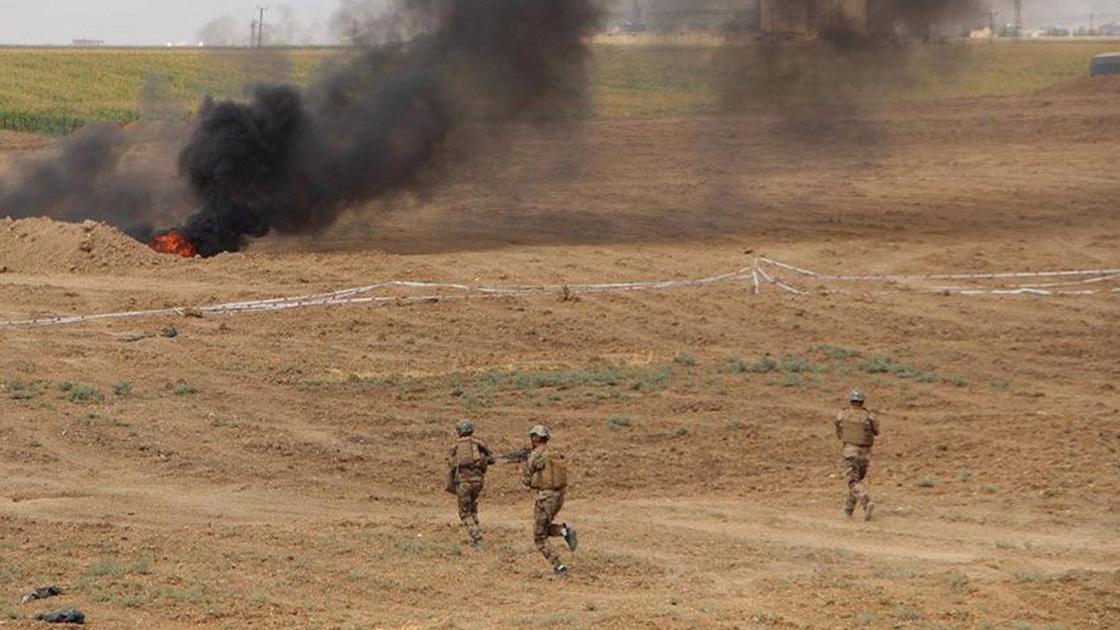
(856, 427)
(466, 463)
(546, 471)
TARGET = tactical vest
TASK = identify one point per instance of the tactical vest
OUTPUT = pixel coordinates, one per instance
(553, 475)
(468, 455)
(855, 427)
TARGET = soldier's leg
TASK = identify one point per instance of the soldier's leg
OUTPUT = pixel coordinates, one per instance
(475, 529)
(467, 494)
(851, 477)
(555, 530)
(543, 512)
(862, 493)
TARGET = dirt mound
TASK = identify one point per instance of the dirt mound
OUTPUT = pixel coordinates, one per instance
(41, 245)
(1085, 86)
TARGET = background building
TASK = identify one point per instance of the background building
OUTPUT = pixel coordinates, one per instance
(812, 17)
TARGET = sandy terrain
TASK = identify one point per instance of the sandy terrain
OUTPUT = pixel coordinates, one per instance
(283, 469)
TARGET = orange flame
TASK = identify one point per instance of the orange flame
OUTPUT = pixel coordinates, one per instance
(174, 242)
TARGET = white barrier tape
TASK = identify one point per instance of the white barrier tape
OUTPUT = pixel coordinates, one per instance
(954, 276)
(355, 296)
(1049, 285)
(755, 274)
(779, 283)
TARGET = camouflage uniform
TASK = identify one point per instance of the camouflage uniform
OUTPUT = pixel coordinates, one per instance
(856, 428)
(546, 472)
(467, 462)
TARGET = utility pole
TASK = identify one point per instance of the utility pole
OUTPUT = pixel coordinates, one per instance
(252, 34)
(1091, 16)
(1018, 18)
(992, 25)
(260, 27)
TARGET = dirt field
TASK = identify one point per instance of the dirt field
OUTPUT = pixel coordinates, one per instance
(283, 470)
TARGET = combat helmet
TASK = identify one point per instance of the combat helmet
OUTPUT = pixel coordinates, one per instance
(464, 427)
(540, 431)
(857, 396)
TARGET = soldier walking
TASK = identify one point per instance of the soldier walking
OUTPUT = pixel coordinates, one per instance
(856, 427)
(546, 471)
(466, 463)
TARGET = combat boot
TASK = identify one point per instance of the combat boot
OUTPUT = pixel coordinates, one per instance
(560, 570)
(570, 537)
(867, 509)
(849, 507)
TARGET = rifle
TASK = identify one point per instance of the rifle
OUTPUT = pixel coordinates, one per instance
(518, 456)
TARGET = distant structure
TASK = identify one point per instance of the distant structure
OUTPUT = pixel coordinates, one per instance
(788, 19)
(807, 18)
(1108, 30)
(88, 43)
(675, 16)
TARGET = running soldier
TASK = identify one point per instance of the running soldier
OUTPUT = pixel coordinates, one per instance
(466, 469)
(856, 427)
(546, 471)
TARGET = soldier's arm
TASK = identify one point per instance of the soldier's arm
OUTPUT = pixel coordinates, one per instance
(451, 459)
(837, 425)
(487, 454)
(532, 465)
(874, 423)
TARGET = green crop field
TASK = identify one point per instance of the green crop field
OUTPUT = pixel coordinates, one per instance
(57, 90)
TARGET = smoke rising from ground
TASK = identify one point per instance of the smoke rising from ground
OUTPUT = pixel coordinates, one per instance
(822, 87)
(291, 160)
(83, 182)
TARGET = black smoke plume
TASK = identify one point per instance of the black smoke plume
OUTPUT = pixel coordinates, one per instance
(291, 160)
(83, 182)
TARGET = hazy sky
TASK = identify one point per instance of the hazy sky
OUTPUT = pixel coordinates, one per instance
(127, 22)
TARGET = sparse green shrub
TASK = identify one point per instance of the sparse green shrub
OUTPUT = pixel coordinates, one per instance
(680, 432)
(958, 380)
(965, 475)
(887, 365)
(762, 366)
(907, 614)
(685, 359)
(838, 353)
(21, 390)
(122, 388)
(619, 422)
(958, 582)
(737, 366)
(105, 567)
(795, 365)
(82, 393)
(184, 389)
(926, 482)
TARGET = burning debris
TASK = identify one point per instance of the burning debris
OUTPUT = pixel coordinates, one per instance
(174, 241)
